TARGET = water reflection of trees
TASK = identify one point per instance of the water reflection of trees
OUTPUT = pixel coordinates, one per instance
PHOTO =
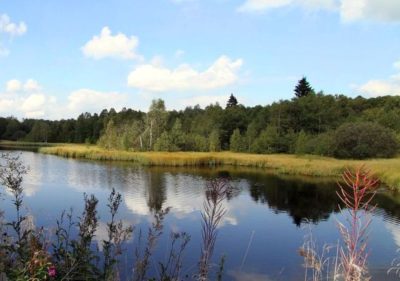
(156, 189)
(301, 200)
(150, 189)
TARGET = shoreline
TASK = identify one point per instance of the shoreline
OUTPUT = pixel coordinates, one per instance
(387, 170)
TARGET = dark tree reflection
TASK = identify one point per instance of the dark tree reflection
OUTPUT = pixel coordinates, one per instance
(302, 201)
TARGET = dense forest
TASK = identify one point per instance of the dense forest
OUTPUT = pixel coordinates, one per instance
(309, 123)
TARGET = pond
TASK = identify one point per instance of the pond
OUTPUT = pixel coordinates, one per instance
(266, 220)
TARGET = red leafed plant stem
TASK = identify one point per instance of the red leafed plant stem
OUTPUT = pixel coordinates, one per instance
(356, 192)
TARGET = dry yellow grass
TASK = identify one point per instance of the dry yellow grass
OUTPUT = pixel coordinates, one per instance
(388, 170)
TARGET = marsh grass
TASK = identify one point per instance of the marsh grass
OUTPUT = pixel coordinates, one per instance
(387, 170)
(320, 263)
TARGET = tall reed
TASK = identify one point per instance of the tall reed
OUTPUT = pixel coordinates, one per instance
(217, 190)
(356, 193)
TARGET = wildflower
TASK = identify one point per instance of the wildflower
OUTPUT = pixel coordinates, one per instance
(52, 271)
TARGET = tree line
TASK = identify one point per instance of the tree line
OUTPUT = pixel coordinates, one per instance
(309, 123)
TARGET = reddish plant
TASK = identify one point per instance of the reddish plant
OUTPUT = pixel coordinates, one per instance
(356, 192)
(217, 190)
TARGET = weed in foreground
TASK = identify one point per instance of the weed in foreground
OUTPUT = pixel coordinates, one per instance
(356, 193)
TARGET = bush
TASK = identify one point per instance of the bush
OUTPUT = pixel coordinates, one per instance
(364, 140)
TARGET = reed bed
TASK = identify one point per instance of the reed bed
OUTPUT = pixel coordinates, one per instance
(387, 170)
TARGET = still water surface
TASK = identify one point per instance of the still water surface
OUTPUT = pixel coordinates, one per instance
(265, 218)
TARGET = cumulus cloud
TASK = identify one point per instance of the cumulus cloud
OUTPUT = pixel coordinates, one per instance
(33, 103)
(16, 85)
(25, 99)
(382, 87)
(7, 26)
(349, 10)
(156, 78)
(31, 106)
(29, 101)
(31, 85)
(262, 5)
(83, 100)
(381, 10)
(113, 46)
(13, 85)
(376, 88)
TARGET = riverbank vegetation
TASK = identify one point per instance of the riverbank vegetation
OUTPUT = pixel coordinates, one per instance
(387, 170)
(309, 123)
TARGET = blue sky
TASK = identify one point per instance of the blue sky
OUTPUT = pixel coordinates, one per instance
(61, 58)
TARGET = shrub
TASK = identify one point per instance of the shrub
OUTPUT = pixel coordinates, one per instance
(364, 140)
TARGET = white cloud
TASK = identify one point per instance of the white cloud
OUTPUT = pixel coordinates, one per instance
(397, 65)
(262, 5)
(107, 45)
(155, 78)
(11, 28)
(6, 104)
(31, 85)
(33, 103)
(376, 88)
(349, 10)
(182, 1)
(13, 85)
(179, 53)
(27, 100)
(31, 106)
(381, 10)
(382, 87)
(87, 100)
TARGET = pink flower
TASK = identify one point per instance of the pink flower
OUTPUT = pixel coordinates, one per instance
(52, 271)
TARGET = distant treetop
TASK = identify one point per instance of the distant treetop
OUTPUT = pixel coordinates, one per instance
(232, 101)
(303, 88)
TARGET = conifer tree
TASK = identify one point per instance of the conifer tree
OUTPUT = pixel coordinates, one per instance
(303, 88)
(232, 101)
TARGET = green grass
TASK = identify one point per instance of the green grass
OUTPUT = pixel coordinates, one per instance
(24, 144)
(388, 170)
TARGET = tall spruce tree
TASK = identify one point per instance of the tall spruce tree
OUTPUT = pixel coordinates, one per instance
(303, 88)
(232, 101)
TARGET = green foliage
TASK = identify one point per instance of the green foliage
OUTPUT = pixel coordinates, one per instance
(39, 133)
(214, 144)
(177, 135)
(251, 135)
(196, 142)
(302, 143)
(267, 142)
(156, 121)
(165, 143)
(237, 142)
(316, 115)
(364, 140)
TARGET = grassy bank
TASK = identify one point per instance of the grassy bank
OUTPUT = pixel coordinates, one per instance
(22, 144)
(388, 170)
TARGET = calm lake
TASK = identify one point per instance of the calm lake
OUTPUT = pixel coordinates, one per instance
(266, 221)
